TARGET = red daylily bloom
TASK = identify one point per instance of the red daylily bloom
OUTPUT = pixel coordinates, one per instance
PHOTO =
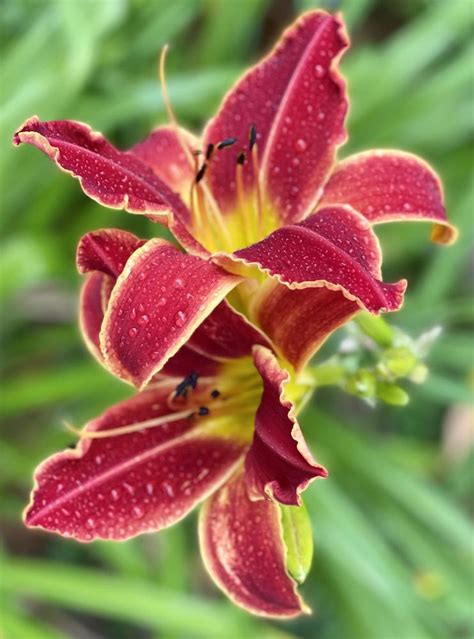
(274, 224)
(217, 420)
(268, 201)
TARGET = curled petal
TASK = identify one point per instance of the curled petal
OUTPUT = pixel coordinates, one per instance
(163, 152)
(386, 186)
(226, 334)
(159, 300)
(95, 293)
(284, 96)
(124, 485)
(278, 464)
(334, 248)
(299, 321)
(106, 250)
(243, 551)
(114, 178)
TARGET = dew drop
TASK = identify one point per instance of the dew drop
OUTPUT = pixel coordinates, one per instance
(180, 318)
(179, 283)
(137, 512)
(143, 319)
(300, 145)
(162, 301)
(133, 331)
(90, 523)
(319, 71)
(114, 494)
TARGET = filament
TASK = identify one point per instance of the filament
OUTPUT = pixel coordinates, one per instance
(129, 428)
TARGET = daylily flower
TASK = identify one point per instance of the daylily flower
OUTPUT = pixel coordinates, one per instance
(227, 436)
(280, 253)
(268, 201)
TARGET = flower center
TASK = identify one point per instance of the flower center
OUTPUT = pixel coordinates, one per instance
(250, 218)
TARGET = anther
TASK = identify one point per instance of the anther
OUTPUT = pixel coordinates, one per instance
(225, 143)
(190, 381)
(203, 410)
(252, 137)
(215, 393)
(209, 150)
(197, 152)
(201, 173)
(241, 158)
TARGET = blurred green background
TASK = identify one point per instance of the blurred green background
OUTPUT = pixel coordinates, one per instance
(391, 525)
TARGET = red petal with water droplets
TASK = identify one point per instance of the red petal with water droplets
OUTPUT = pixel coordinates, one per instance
(114, 178)
(92, 304)
(121, 486)
(159, 300)
(388, 186)
(243, 551)
(283, 96)
(106, 250)
(334, 248)
(226, 334)
(299, 321)
(279, 464)
(163, 152)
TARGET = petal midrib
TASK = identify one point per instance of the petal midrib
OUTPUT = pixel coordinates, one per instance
(286, 95)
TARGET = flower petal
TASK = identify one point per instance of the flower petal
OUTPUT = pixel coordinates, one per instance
(243, 551)
(114, 178)
(334, 248)
(285, 96)
(299, 321)
(124, 485)
(226, 334)
(187, 361)
(94, 297)
(279, 464)
(163, 152)
(106, 250)
(159, 300)
(386, 186)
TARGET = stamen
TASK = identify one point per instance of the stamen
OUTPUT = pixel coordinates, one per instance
(129, 428)
(239, 178)
(200, 174)
(252, 137)
(203, 410)
(209, 150)
(190, 381)
(226, 143)
(215, 393)
(256, 172)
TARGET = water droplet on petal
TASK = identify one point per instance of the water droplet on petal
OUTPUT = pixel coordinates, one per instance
(90, 523)
(143, 319)
(300, 145)
(180, 318)
(133, 331)
(319, 71)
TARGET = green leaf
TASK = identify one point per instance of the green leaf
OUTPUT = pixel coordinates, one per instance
(298, 538)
